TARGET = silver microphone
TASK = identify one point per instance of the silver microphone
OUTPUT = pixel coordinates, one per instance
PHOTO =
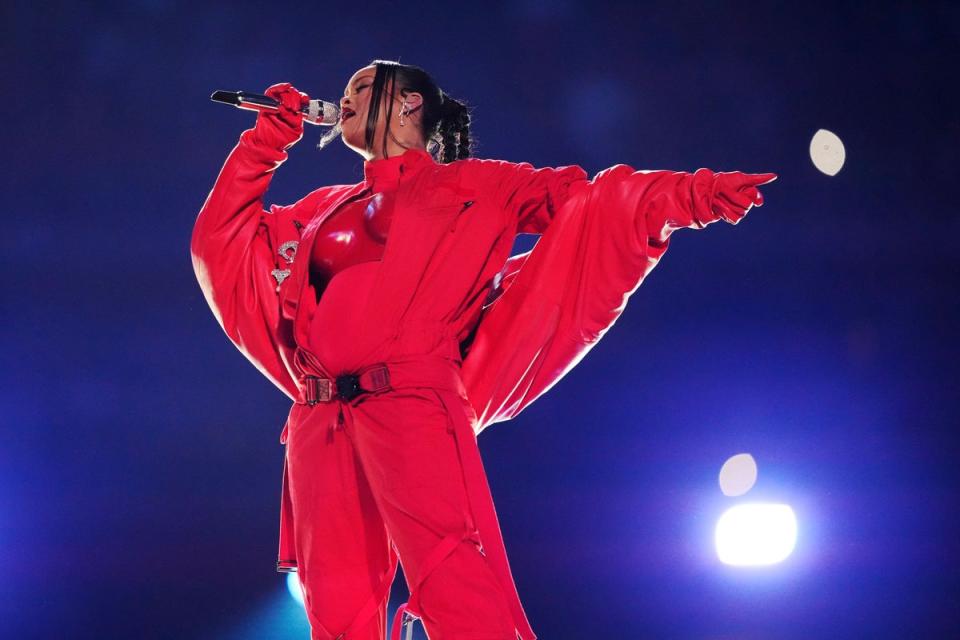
(316, 112)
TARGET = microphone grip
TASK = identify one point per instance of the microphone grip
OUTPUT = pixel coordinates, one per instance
(256, 100)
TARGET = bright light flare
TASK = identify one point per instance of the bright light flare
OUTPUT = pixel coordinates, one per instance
(756, 534)
(293, 586)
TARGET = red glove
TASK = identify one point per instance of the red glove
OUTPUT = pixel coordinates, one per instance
(282, 128)
(735, 192)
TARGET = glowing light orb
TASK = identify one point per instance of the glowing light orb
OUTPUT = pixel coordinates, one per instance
(827, 152)
(293, 586)
(756, 534)
(738, 475)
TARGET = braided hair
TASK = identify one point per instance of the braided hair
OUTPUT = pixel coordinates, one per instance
(453, 130)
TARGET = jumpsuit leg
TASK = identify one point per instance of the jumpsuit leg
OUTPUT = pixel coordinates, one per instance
(406, 444)
(345, 560)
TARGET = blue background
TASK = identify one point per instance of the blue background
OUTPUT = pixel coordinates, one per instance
(140, 464)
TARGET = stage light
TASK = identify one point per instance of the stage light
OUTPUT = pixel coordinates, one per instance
(756, 534)
(827, 152)
(738, 475)
(293, 586)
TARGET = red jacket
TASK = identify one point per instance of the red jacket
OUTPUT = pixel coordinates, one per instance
(521, 322)
(543, 310)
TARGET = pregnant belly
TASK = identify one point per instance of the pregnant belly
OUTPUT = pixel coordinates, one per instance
(335, 336)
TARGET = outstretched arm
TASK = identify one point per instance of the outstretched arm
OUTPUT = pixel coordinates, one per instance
(234, 246)
(559, 299)
(693, 200)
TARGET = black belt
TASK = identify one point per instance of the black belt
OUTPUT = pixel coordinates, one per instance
(345, 387)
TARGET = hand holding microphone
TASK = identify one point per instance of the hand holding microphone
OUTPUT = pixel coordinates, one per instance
(282, 127)
(281, 113)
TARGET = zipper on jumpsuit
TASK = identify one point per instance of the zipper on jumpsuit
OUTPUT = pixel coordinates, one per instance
(464, 206)
(338, 424)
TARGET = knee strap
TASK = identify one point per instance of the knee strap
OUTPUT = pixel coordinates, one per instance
(374, 602)
(410, 610)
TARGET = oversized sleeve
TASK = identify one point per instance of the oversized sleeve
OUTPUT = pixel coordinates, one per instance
(559, 299)
(236, 254)
(530, 196)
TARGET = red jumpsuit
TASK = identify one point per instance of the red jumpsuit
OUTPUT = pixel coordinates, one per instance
(470, 335)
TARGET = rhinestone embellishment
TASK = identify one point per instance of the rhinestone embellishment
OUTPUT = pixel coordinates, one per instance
(288, 246)
(280, 275)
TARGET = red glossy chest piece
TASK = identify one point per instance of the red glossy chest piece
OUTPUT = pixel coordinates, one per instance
(377, 216)
(356, 233)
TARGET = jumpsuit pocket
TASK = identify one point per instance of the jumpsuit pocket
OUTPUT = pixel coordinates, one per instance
(439, 210)
(288, 424)
(425, 410)
(461, 404)
(443, 408)
(464, 207)
(449, 209)
(417, 440)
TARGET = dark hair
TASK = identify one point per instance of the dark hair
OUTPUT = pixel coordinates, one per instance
(445, 121)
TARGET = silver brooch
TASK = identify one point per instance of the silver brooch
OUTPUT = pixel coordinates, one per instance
(289, 245)
(280, 275)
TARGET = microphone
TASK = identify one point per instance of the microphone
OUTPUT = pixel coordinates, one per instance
(316, 112)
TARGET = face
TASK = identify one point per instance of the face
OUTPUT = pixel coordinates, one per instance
(355, 103)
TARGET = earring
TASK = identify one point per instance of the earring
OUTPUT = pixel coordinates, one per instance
(403, 112)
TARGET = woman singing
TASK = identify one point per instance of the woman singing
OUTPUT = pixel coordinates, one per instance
(392, 314)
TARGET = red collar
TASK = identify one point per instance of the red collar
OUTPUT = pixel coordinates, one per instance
(386, 173)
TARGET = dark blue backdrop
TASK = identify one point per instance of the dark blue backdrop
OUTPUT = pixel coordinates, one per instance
(140, 463)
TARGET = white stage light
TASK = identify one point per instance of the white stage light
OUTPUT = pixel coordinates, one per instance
(293, 586)
(827, 152)
(756, 534)
(738, 475)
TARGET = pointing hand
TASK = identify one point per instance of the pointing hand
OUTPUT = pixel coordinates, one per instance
(735, 192)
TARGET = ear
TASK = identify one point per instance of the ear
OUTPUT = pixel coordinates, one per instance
(413, 99)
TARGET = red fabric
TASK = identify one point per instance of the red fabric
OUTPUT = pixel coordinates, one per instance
(446, 285)
(358, 232)
(400, 467)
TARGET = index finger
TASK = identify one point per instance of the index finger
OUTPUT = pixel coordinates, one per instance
(762, 178)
